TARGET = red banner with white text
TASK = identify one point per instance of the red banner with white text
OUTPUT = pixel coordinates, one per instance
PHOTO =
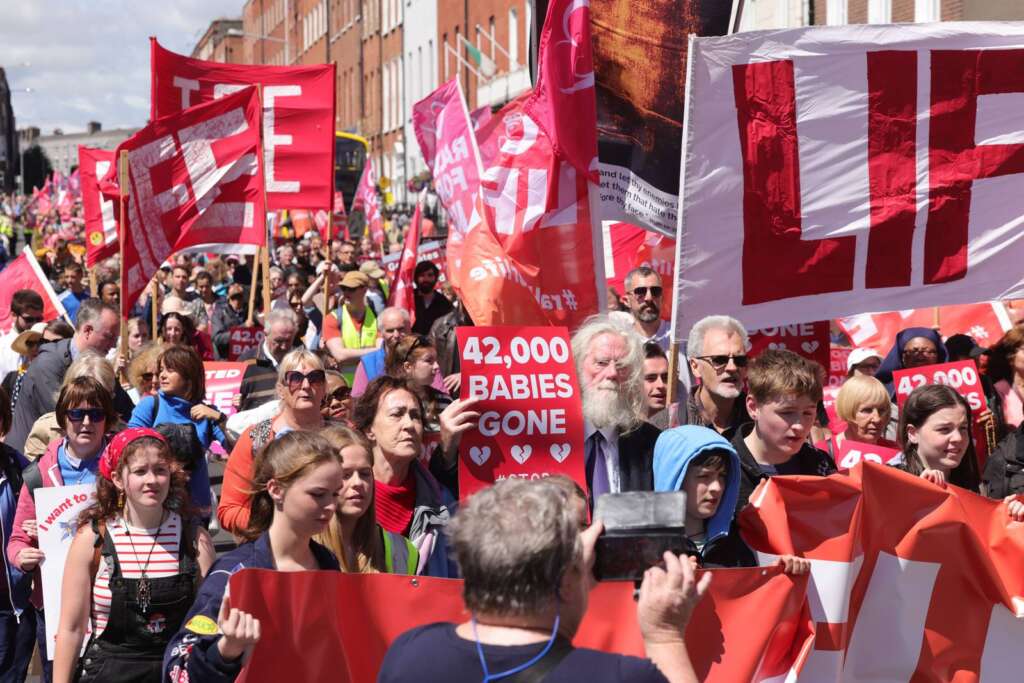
(985, 322)
(298, 117)
(24, 273)
(98, 211)
(223, 381)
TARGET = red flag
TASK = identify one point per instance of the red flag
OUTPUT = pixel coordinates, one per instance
(985, 322)
(564, 103)
(366, 200)
(42, 199)
(100, 221)
(24, 273)
(298, 117)
(404, 289)
(340, 221)
(194, 178)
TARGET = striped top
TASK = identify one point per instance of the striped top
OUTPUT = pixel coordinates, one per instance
(132, 554)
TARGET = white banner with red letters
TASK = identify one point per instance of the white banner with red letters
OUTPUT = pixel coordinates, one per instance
(298, 117)
(829, 170)
(432, 251)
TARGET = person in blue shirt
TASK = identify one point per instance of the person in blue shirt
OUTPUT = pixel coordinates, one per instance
(179, 401)
(74, 290)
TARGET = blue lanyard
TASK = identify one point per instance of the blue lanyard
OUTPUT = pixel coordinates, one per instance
(522, 667)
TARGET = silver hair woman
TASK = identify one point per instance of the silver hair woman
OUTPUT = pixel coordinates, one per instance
(527, 571)
(609, 402)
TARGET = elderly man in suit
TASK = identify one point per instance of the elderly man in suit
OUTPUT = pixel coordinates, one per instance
(619, 444)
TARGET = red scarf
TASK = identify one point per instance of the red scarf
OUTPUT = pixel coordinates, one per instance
(394, 504)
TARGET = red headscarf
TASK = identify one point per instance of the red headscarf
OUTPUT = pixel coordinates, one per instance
(111, 457)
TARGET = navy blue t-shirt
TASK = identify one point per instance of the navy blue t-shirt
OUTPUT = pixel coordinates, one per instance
(437, 654)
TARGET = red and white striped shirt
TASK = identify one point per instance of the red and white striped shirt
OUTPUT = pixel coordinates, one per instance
(135, 553)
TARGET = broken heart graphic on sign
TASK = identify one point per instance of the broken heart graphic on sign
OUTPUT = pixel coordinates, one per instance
(776, 346)
(559, 451)
(521, 453)
(809, 347)
(479, 455)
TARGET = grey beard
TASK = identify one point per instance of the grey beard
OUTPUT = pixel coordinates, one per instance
(606, 408)
(647, 315)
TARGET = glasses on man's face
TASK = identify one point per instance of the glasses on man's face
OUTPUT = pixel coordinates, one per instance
(79, 414)
(294, 379)
(718, 362)
(641, 292)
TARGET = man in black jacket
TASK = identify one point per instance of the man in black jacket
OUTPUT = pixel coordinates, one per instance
(227, 314)
(619, 444)
(96, 330)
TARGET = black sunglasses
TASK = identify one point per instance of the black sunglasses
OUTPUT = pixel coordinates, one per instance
(421, 342)
(719, 362)
(641, 292)
(294, 379)
(147, 376)
(339, 394)
(79, 414)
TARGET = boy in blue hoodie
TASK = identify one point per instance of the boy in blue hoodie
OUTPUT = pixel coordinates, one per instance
(701, 463)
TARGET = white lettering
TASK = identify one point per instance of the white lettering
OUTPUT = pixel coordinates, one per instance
(272, 140)
(187, 85)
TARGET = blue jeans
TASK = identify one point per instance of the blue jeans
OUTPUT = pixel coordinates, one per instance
(16, 643)
(41, 641)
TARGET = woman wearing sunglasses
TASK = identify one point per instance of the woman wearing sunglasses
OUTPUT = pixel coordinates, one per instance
(84, 411)
(338, 399)
(144, 372)
(301, 386)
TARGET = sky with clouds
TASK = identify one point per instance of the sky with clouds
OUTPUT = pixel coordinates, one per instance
(88, 60)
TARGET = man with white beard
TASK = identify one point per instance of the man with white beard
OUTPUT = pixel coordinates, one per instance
(717, 349)
(619, 443)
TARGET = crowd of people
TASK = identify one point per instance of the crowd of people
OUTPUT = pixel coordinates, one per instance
(343, 456)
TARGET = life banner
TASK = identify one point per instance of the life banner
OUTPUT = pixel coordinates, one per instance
(192, 178)
(909, 581)
(432, 251)
(57, 511)
(849, 453)
(639, 66)
(893, 184)
(838, 358)
(632, 247)
(531, 415)
(98, 211)
(298, 117)
(312, 622)
(24, 272)
(810, 340)
(242, 339)
(223, 382)
(984, 322)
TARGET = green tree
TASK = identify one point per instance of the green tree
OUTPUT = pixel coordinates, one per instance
(37, 167)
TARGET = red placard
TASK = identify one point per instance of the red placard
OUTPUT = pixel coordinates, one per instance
(828, 398)
(223, 381)
(531, 417)
(837, 359)
(243, 339)
(810, 340)
(432, 251)
(848, 453)
(961, 375)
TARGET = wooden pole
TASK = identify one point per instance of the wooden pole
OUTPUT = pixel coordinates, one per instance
(935, 318)
(92, 283)
(266, 281)
(265, 251)
(154, 313)
(252, 288)
(673, 372)
(123, 180)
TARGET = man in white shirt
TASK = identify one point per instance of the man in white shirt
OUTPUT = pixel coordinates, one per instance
(26, 310)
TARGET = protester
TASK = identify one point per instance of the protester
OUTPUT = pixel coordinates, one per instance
(74, 290)
(227, 313)
(354, 536)
(1006, 369)
(337, 399)
(134, 565)
(96, 330)
(202, 308)
(180, 276)
(782, 400)
(376, 297)
(393, 324)
(914, 347)
(138, 335)
(178, 328)
(259, 382)
(144, 372)
(863, 362)
(863, 404)
(109, 292)
(301, 385)
(935, 435)
(295, 483)
(179, 401)
(410, 501)
(27, 312)
(619, 444)
(17, 617)
(430, 305)
(643, 298)
(350, 332)
(655, 385)
(84, 411)
(344, 253)
(444, 339)
(717, 348)
(26, 346)
(527, 569)
(414, 358)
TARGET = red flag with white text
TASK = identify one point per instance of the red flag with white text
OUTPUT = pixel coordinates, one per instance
(100, 220)
(24, 273)
(367, 201)
(985, 322)
(194, 178)
(403, 289)
(298, 117)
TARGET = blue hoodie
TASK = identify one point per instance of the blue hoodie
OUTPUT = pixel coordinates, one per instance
(675, 450)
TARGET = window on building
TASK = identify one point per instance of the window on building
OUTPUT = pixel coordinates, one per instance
(429, 79)
(835, 13)
(513, 36)
(927, 10)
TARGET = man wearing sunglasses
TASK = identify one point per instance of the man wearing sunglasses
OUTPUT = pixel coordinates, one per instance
(717, 348)
(26, 310)
(644, 295)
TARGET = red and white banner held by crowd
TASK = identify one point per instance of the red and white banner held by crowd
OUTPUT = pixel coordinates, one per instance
(100, 219)
(193, 178)
(432, 251)
(403, 288)
(24, 272)
(829, 170)
(298, 117)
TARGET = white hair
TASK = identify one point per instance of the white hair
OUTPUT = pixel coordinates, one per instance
(280, 315)
(700, 329)
(627, 411)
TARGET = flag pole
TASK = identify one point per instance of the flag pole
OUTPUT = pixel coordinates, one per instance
(122, 181)
(266, 281)
(252, 288)
(264, 252)
(154, 314)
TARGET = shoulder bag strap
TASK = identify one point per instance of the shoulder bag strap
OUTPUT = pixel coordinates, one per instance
(539, 671)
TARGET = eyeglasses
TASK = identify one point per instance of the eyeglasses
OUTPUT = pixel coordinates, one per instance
(641, 292)
(294, 379)
(79, 414)
(931, 353)
(147, 376)
(339, 394)
(719, 362)
(421, 342)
